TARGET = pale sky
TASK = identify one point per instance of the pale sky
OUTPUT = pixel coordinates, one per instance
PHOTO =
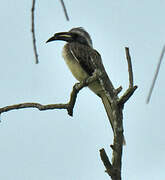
(51, 145)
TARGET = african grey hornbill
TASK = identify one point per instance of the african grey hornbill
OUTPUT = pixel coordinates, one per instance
(83, 60)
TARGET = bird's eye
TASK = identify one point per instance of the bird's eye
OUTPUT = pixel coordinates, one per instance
(75, 36)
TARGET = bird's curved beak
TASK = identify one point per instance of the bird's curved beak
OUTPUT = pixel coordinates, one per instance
(64, 36)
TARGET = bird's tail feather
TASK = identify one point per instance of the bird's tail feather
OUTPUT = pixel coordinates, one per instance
(107, 106)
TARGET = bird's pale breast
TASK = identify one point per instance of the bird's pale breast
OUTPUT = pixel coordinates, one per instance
(74, 65)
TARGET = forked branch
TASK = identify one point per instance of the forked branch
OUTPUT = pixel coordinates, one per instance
(129, 92)
(113, 169)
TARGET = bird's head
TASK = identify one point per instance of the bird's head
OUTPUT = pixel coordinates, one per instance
(74, 35)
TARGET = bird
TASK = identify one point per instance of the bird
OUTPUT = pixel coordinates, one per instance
(82, 60)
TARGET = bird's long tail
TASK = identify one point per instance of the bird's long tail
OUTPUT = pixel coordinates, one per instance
(107, 106)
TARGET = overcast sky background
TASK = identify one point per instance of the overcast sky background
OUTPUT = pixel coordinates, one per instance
(51, 145)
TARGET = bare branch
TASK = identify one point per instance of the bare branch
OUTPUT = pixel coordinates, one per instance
(69, 106)
(33, 105)
(116, 108)
(130, 72)
(64, 9)
(106, 162)
(118, 90)
(33, 32)
(129, 92)
(156, 75)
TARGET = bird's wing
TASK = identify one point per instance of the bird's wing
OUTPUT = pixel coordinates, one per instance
(88, 58)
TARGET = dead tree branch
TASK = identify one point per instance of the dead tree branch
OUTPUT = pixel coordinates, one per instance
(33, 32)
(117, 104)
(107, 163)
(130, 72)
(156, 75)
(68, 106)
(129, 92)
(64, 9)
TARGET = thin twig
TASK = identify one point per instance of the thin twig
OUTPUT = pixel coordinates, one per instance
(130, 72)
(33, 32)
(118, 90)
(155, 76)
(64, 9)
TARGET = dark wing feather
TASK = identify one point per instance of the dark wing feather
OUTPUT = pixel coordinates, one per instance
(90, 60)
(87, 57)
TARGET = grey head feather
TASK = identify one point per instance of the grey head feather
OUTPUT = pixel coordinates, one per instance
(81, 31)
